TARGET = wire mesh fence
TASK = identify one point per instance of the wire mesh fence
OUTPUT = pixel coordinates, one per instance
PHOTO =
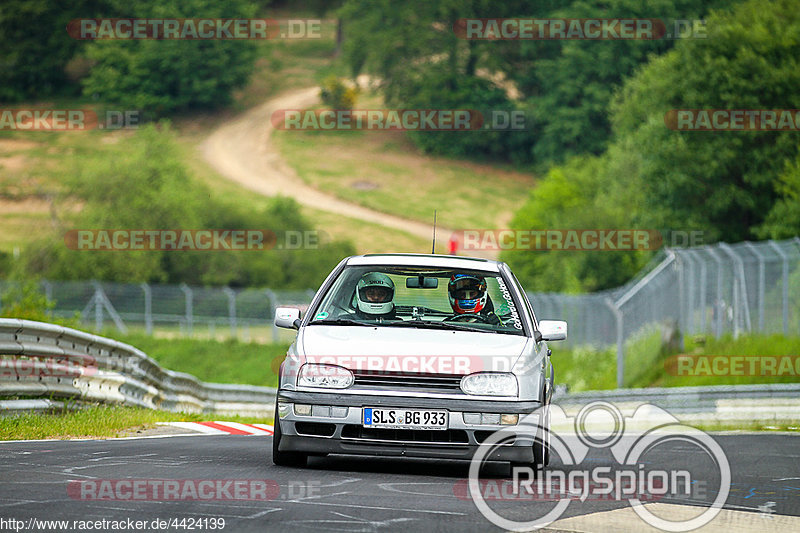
(179, 310)
(709, 290)
(712, 290)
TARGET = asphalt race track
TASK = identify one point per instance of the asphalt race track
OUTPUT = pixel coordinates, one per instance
(40, 480)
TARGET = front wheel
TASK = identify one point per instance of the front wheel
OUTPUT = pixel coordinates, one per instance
(541, 445)
(541, 457)
(284, 458)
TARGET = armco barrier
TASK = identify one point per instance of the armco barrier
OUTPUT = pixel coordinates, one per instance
(45, 360)
(765, 404)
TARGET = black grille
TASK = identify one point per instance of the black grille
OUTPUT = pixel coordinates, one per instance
(481, 436)
(317, 429)
(427, 436)
(408, 381)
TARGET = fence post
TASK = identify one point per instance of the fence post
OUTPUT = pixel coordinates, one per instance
(785, 285)
(98, 308)
(702, 289)
(273, 303)
(231, 309)
(687, 283)
(761, 284)
(148, 308)
(719, 304)
(742, 308)
(617, 312)
(189, 310)
(48, 290)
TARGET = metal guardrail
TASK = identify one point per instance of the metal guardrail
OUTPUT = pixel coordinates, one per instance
(777, 403)
(44, 360)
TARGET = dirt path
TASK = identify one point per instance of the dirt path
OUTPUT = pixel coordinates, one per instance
(242, 152)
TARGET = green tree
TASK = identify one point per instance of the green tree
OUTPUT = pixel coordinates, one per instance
(35, 47)
(161, 76)
(569, 84)
(584, 193)
(783, 221)
(422, 63)
(721, 182)
(565, 86)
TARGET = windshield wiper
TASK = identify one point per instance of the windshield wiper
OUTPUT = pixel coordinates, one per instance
(339, 322)
(430, 324)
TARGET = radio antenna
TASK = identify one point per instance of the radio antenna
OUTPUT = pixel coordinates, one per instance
(433, 246)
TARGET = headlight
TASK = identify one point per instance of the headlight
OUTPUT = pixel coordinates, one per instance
(490, 384)
(324, 376)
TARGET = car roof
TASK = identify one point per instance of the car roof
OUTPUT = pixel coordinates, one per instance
(426, 260)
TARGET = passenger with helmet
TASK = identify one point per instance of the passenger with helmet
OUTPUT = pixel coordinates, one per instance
(469, 298)
(375, 297)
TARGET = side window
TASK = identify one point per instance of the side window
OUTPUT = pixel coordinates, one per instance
(496, 296)
(504, 304)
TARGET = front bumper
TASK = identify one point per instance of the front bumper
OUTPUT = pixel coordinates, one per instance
(346, 435)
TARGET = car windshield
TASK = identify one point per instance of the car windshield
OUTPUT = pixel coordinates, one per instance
(420, 297)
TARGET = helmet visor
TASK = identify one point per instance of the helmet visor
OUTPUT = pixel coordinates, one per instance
(375, 294)
(467, 288)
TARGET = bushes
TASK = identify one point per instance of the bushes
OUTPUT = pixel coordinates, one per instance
(337, 95)
(162, 76)
(25, 300)
(40, 59)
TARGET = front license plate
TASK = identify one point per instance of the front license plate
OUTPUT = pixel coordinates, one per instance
(404, 418)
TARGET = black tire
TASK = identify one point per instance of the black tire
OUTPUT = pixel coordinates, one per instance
(541, 447)
(284, 458)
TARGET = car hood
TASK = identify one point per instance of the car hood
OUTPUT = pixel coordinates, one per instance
(387, 349)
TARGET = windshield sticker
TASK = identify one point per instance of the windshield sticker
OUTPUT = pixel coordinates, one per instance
(509, 303)
(321, 316)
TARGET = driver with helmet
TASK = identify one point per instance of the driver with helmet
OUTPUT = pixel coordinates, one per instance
(468, 297)
(374, 296)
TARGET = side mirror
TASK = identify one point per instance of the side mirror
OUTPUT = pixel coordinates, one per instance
(553, 330)
(287, 317)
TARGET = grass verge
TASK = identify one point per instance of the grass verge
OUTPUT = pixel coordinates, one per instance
(214, 361)
(98, 421)
(747, 427)
(583, 369)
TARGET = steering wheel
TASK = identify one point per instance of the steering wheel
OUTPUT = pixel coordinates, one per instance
(467, 318)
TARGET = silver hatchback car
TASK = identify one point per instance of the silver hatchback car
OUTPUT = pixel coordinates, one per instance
(419, 356)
